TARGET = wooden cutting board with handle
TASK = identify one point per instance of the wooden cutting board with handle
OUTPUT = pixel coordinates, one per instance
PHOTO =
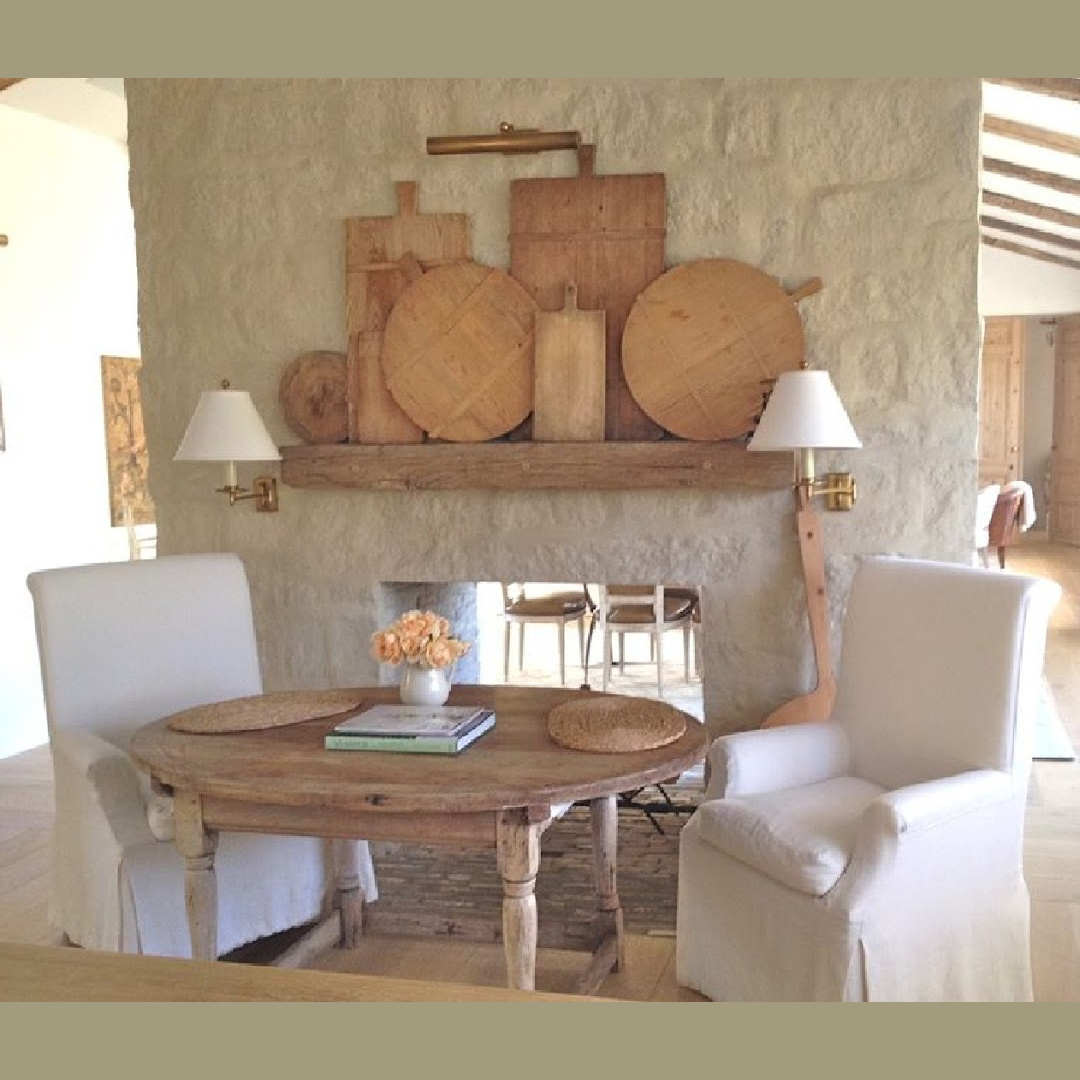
(374, 279)
(701, 341)
(313, 397)
(458, 352)
(568, 402)
(606, 234)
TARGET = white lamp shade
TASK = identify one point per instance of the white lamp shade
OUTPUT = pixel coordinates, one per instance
(226, 427)
(804, 411)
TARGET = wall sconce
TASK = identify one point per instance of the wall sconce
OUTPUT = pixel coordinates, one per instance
(226, 427)
(804, 414)
(507, 141)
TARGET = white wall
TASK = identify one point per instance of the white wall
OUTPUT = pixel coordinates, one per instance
(67, 296)
(1012, 284)
(240, 188)
(1038, 409)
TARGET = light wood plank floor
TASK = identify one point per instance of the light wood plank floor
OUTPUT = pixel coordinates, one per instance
(1052, 855)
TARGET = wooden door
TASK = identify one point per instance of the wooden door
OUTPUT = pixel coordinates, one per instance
(1001, 400)
(1063, 518)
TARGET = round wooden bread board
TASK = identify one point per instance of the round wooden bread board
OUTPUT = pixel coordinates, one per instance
(607, 725)
(265, 711)
(458, 352)
(700, 340)
(313, 393)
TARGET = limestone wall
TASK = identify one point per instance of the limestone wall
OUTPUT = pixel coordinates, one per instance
(239, 189)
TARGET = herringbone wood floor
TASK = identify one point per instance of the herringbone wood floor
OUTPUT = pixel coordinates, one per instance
(1052, 854)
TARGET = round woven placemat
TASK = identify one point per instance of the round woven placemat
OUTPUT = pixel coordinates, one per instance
(264, 711)
(615, 725)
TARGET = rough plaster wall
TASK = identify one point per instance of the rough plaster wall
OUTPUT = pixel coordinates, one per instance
(240, 187)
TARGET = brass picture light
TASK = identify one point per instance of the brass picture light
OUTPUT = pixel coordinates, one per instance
(508, 140)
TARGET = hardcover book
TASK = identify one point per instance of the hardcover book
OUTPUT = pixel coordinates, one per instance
(423, 729)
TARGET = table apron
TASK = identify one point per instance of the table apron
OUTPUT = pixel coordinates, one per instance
(474, 828)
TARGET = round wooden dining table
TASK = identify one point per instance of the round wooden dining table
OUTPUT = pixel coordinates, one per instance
(501, 792)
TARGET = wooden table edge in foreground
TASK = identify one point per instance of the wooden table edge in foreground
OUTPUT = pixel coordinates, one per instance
(503, 800)
(65, 973)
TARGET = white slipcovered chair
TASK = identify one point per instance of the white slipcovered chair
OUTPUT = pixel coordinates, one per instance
(877, 856)
(122, 644)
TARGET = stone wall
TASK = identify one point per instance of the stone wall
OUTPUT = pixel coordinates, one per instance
(239, 189)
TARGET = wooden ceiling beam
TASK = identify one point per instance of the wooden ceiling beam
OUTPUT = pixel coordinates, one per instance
(5, 83)
(1029, 252)
(1069, 89)
(1032, 209)
(1055, 181)
(1032, 234)
(1036, 136)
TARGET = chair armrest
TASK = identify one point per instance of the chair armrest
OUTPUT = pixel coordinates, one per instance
(108, 780)
(923, 833)
(771, 759)
(937, 802)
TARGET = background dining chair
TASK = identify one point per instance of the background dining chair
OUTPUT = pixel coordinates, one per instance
(645, 609)
(558, 607)
(877, 855)
(122, 644)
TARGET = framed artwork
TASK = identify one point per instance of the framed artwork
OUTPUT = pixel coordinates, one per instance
(125, 442)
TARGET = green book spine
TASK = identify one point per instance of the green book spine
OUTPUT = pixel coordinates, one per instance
(388, 742)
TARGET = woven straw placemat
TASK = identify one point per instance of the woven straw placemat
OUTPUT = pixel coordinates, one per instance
(615, 725)
(264, 711)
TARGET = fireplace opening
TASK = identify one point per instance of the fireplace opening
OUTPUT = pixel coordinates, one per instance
(520, 625)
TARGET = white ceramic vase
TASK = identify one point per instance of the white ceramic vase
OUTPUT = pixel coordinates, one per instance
(424, 685)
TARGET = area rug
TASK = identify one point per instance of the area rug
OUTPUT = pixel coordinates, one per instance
(1051, 740)
(457, 893)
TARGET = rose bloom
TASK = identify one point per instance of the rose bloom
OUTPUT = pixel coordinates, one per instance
(439, 653)
(386, 647)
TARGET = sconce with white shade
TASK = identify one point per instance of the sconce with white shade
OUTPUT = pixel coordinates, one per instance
(226, 427)
(803, 414)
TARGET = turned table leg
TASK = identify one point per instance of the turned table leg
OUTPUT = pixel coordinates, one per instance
(350, 895)
(518, 850)
(197, 844)
(610, 952)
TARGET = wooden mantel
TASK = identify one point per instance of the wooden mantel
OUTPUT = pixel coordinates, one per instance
(518, 466)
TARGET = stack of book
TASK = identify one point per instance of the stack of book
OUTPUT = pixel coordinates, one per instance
(415, 729)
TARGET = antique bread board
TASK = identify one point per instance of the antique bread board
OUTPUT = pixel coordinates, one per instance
(314, 399)
(568, 401)
(458, 352)
(701, 341)
(606, 233)
(373, 281)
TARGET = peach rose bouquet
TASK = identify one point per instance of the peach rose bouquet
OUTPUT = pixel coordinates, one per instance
(418, 637)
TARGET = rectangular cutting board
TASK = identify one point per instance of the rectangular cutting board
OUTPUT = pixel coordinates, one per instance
(606, 233)
(568, 402)
(374, 279)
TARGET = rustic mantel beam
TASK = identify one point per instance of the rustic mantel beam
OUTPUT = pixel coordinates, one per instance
(533, 466)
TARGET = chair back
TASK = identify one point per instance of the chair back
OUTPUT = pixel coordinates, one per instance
(124, 643)
(940, 669)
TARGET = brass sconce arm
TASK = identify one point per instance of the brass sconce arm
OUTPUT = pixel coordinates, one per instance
(838, 488)
(265, 493)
